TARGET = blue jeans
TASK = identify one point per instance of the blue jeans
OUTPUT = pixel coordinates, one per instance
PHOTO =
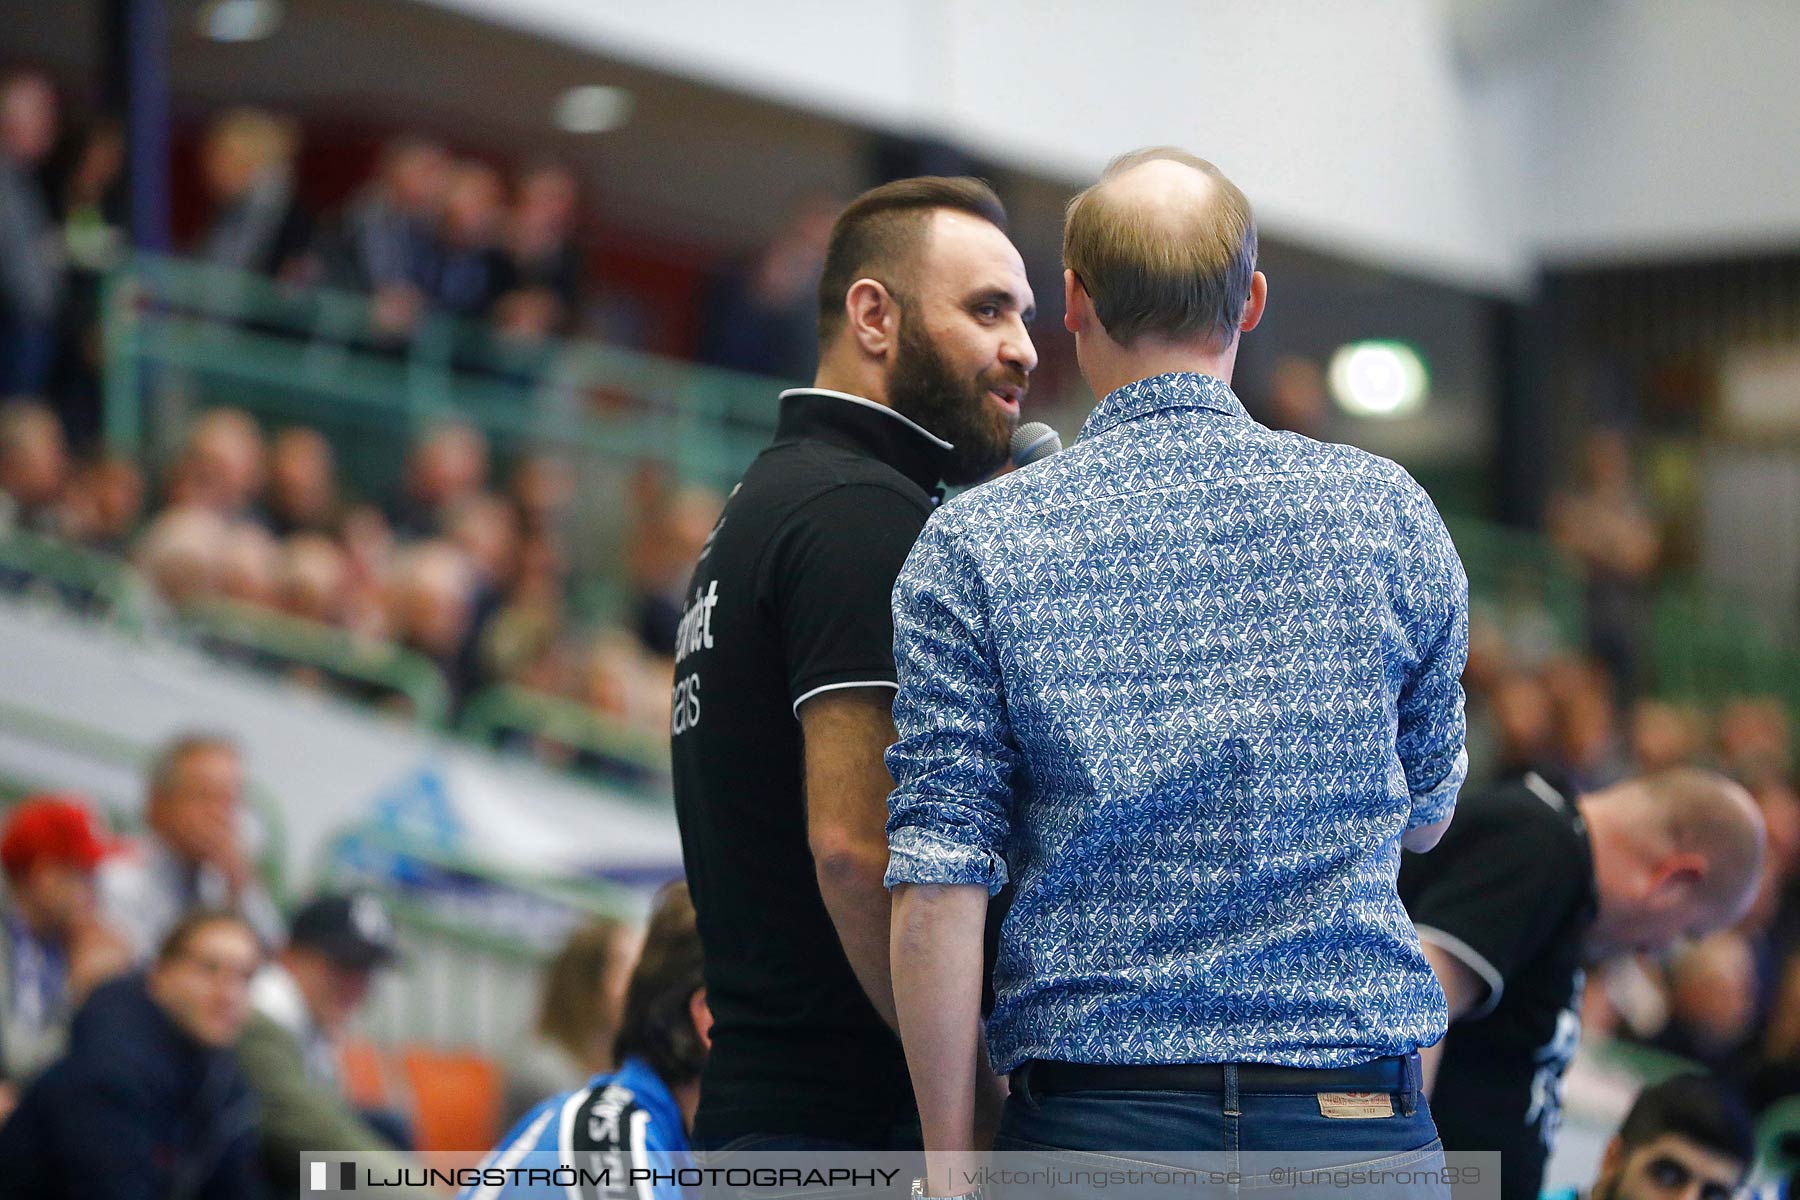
(1267, 1145)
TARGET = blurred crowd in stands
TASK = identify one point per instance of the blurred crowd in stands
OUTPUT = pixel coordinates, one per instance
(150, 989)
(430, 232)
(464, 568)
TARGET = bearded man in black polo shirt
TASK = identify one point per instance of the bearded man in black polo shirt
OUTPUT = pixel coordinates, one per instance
(784, 672)
(1528, 885)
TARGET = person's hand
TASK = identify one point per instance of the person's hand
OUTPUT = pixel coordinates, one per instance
(9, 1100)
(97, 953)
(216, 835)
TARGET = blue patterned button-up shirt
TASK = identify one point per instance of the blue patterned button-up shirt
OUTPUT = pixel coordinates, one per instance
(1185, 684)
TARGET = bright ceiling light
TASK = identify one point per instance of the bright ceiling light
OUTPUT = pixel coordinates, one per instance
(593, 108)
(1378, 379)
(238, 20)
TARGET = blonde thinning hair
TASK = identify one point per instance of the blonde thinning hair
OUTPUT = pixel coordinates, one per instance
(1174, 271)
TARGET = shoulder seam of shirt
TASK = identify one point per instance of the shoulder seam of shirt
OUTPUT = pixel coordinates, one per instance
(793, 514)
(1472, 959)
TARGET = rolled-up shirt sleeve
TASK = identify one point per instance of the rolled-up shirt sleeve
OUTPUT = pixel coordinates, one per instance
(1435, 600)
(950, 812)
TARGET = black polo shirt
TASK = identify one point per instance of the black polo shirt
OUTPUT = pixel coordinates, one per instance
(1510, 892)
(791, 597)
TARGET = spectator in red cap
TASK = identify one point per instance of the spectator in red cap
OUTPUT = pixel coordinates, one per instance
(53, 948)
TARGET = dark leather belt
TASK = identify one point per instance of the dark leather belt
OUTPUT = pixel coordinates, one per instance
(1397, 1074)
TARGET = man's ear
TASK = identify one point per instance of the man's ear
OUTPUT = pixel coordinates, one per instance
(1078, 308)
(873, 317)
(1675, 879)
(700, 1013)
(1253, 307)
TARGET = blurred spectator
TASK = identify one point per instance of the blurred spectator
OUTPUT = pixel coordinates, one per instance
(763, 317)
(106, 499)
(93, 200)
(1527, 887)
(387, 244)
(448, 465)
(433, 611)
(192, 854)
(250, 566)
(223, 464)
(577, 1020)
(542, 487)
(179, 555)
(1753, 737)
(258, 223)
(1297, 400)
(622, 680)
(93, 220)
(53, 948)
(639, 1116)
(1685, 1137)
(1606, 528)
(542, 277)
(1714, 1003)
(532, 619)
(486, 528)
(1585, 717)
(473, 269)
(671, 534)
(368, 553)
(1523, 731)
(33, 266)
(1665, 735)
(314, 579)
(149, 1103)
(302, 1004)
(34, 468)
(302, 492)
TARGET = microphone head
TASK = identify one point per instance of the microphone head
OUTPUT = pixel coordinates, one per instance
(1032, 441)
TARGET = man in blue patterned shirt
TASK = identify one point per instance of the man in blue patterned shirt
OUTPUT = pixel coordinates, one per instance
(1189, 685)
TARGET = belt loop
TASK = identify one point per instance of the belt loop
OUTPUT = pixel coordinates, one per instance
(1231, 1091)
(1411, 1081)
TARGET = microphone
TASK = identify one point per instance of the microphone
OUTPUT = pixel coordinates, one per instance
(1032, 441)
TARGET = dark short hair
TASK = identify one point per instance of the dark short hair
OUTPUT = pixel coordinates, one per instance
(880, 233)
(1696, 1107)
(177, 941)
(1150, 273)
(657, 1026)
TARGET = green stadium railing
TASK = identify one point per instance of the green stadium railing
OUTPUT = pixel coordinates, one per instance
(621, 753)
(88, 581)
(282, 640)
(183, 332)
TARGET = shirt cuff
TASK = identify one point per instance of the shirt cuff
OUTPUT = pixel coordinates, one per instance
(1430, 807)
(918, 855)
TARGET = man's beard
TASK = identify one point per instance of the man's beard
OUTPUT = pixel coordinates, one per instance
(923, 389)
